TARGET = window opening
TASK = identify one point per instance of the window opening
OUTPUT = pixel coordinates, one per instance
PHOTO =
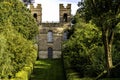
(65, 17)
(50, 36)
(35, 16)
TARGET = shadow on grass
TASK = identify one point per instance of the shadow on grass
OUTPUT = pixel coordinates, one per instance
(48, 69)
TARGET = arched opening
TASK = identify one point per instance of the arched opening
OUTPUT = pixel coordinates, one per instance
(50, 36)
(50, 52)
(35, 15)
(65, 17)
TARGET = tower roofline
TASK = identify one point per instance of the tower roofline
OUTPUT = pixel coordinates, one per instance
(37, 7)
(65, 7)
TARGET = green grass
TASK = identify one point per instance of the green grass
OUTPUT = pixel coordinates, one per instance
(48, 69)
(72, 75)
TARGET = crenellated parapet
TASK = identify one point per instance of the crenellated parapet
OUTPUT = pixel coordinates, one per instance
(65, 13)
(67, 7)
(35, 8)
(31, 6)
(36, 12)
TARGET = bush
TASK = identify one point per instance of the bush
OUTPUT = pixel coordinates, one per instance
(17, 52)
(19, 17)
(24, 74)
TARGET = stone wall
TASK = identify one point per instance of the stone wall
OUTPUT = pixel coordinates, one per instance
(44, 54)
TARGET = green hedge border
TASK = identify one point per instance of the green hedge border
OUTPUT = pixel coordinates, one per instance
(25, 73)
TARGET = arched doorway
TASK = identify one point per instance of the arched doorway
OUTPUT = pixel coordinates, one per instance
(50, 52)
(35, 15)
(65, 17)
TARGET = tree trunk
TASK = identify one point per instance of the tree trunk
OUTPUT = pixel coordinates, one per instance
(107, 41)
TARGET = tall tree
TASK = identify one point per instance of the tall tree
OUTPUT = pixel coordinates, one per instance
(106, 15)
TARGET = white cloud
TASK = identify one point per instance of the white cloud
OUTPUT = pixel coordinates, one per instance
(50, 9)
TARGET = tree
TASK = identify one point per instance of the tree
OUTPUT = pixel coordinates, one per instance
(106, 15)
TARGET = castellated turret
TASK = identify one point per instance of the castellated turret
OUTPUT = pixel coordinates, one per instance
(65, 13)
(36, 12)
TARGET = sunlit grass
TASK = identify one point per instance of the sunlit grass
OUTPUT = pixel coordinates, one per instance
(48, 69)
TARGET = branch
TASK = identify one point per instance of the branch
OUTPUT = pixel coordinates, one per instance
(101, 74)
(104, 73)
(111, 37)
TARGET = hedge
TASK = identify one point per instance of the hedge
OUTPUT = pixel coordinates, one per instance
(24, 74)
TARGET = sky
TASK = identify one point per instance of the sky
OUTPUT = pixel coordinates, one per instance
(50, 8)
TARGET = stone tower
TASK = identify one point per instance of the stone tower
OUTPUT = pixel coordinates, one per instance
(36, 12)
(65, 13)
(51, 34)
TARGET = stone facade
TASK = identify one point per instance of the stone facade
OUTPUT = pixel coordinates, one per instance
(51, 35)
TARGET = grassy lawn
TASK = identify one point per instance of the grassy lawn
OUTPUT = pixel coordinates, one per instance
(48, 69)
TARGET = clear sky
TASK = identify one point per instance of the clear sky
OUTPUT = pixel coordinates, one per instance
(50, 8)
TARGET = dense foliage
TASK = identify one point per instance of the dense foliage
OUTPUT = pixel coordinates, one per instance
(19, 17)
(106, 15)
(84, 51)
(17, 35)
